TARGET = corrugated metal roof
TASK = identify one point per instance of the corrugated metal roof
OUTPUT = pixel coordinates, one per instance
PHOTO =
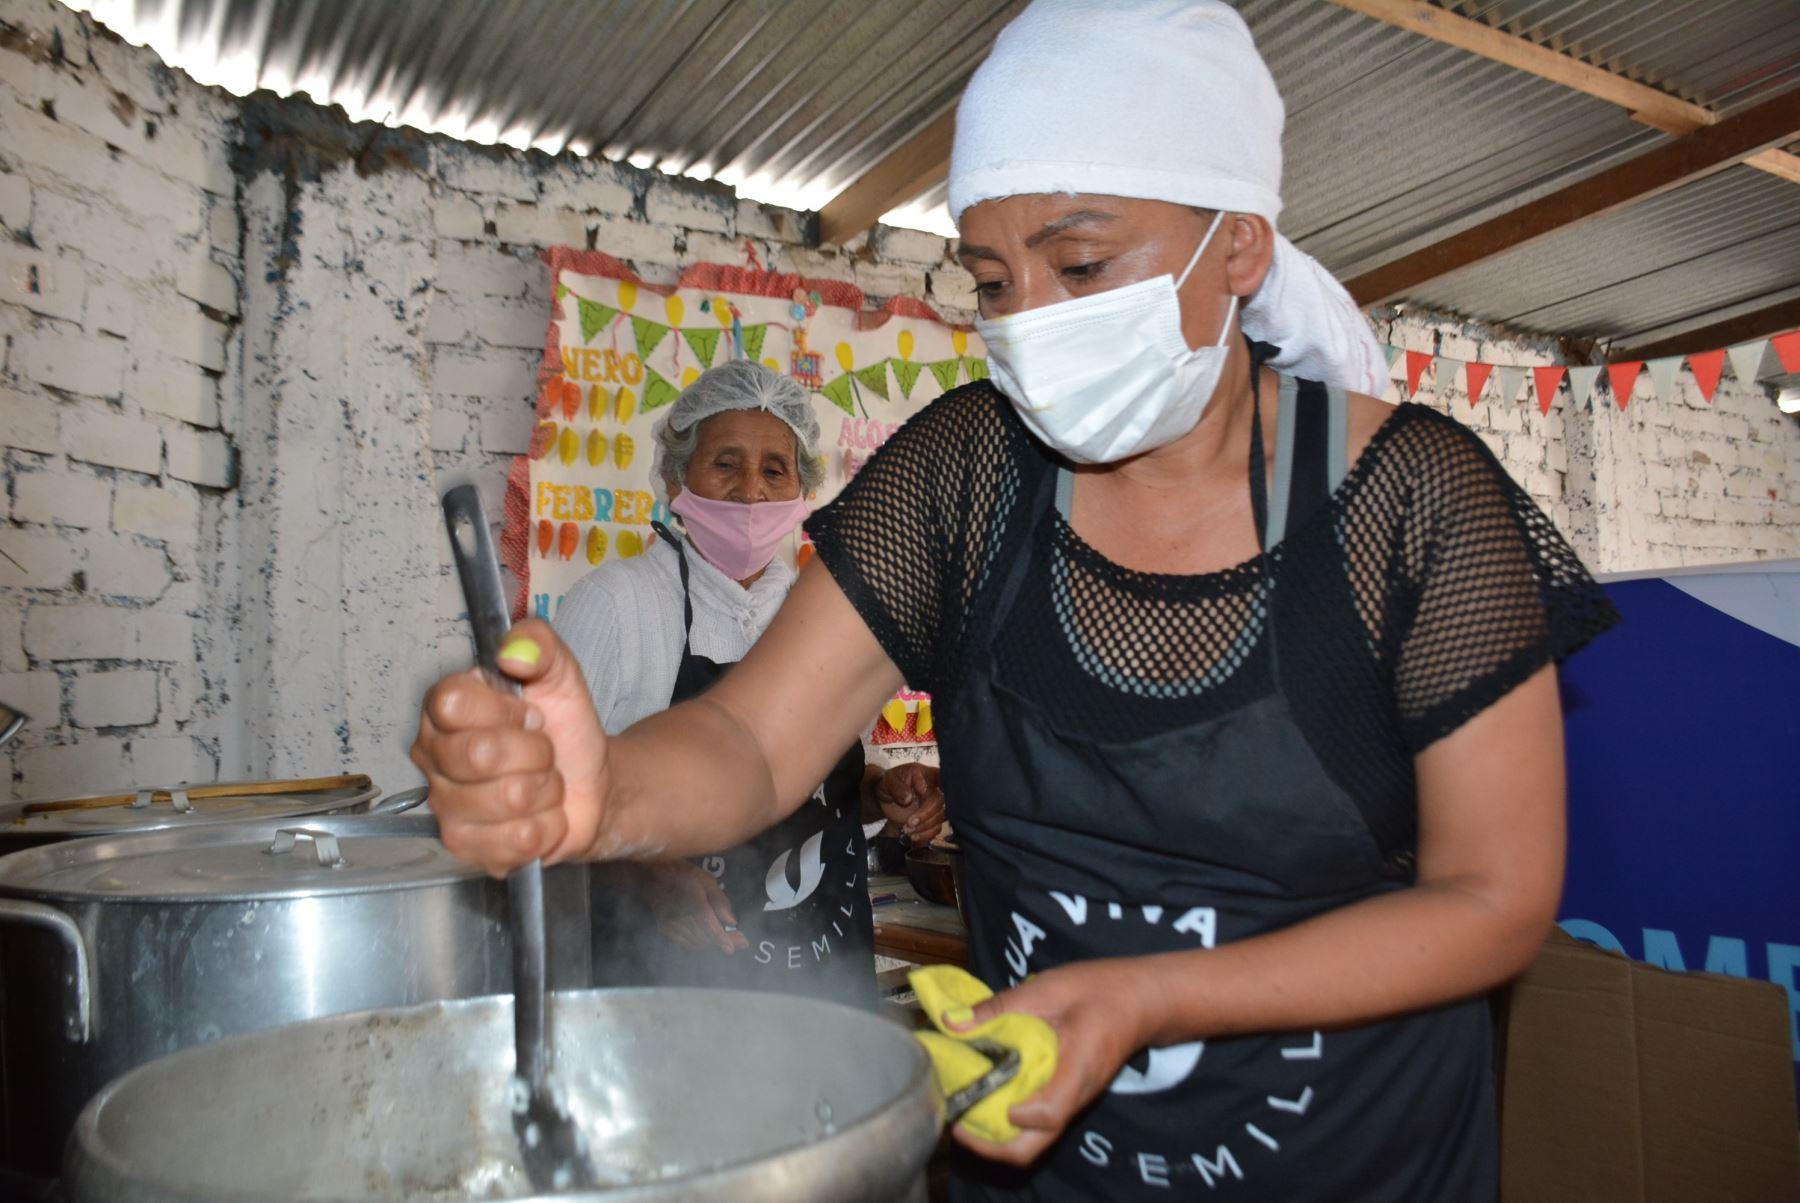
(1393, 140)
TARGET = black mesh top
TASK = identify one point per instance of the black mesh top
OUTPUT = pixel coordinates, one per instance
(1426, 588)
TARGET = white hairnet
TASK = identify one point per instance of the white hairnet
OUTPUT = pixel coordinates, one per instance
(733, 385)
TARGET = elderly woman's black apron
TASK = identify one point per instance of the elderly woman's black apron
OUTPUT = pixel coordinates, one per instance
(800, 890)
(1187, 839)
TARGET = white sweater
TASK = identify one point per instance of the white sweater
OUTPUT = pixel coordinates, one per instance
(623, 621)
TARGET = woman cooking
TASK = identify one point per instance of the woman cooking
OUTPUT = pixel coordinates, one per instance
(789, 908)
(1253, 740)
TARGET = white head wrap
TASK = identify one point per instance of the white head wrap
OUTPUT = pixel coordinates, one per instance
(1156, 100)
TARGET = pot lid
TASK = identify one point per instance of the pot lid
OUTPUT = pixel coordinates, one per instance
(239, 861)
(162, 809)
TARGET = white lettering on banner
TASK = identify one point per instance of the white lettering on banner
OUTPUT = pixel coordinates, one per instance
(822, 941)
(1096, 1148)
(1273, 1145)
(1153, 1168)
(793, 956)
(765, 953)
(1211, 1171)
(1153, 914)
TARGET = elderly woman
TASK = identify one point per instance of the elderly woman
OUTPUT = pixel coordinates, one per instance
(787, 909)
(1252, 741)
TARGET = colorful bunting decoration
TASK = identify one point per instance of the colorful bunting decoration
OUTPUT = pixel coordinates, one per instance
(838, 393)
(946, 371)
(1582, 378)
(1662, 373)
(1478, 377)
(1548, 380)
(1623, 377)
(1708, 367)
(753, 340)
(1415, 368)
(977, 368)
(874, 378)
(1746, 359)
(1511, 377)
(1787, 350)
(705, 341)
(907, 373)
(658, 391)
(595, 317)
(648, 334)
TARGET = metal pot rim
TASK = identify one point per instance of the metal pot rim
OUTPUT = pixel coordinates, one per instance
(88, 1155)
(14, 820)
(34, 861)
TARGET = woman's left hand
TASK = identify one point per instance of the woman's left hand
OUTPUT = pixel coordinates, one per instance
(1103, 1012)
(909, 795)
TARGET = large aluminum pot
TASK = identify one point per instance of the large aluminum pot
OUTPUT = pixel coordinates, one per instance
(684, 1094)
(116, 951)
(27, 825)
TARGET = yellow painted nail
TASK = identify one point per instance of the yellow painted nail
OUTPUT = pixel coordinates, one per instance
(526, 651)
(959, 1015)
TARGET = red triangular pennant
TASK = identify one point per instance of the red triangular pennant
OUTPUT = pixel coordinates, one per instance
(1416, 363)
(1708, 366)
(1787, 349)
(1478, 376)
(1624, 379)
(1548, 381)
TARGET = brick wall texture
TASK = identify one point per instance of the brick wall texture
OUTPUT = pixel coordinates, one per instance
(244, 344)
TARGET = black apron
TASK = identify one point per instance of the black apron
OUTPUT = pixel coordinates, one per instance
(1190, 838)
(800, 890)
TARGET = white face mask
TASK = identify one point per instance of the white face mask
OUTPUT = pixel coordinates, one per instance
(1105, 377)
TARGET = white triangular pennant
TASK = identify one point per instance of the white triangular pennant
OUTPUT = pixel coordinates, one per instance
(1445, 370)
(1746, 359)
(1511, 377)
(1662, 373)
(1581, 383)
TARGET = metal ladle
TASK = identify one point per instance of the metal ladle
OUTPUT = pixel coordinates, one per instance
(551, 1147)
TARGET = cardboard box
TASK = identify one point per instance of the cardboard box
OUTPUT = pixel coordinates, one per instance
(1623, 1082)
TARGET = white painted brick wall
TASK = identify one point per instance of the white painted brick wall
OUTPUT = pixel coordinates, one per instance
(76, 499)
(98, 435)
(113, 249)
(120, 698)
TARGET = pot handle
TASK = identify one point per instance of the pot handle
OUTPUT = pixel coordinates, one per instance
(400, 803)
(325, 845)
(78, 989)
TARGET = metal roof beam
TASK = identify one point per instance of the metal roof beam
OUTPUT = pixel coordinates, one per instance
(912, 168)
(1747, 326)
(1648, 105)
(1682, 161)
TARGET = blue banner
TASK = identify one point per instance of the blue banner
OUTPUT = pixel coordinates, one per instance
(1683, 729)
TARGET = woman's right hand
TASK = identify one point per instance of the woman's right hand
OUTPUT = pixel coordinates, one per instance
(516, 778)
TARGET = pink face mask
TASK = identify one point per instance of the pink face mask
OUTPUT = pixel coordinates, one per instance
(737, 539)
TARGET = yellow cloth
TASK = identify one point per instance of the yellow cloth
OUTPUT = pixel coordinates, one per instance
(943, 988)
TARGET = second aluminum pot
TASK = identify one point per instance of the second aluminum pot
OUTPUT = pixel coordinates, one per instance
(117, 951)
